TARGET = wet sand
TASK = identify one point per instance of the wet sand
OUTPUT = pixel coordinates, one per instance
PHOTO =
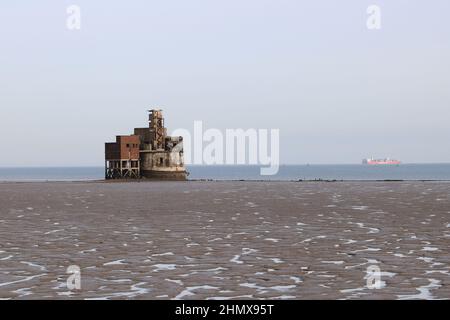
(225, 240)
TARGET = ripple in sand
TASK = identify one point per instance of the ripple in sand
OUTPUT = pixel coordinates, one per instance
(362, 208)
(371, 230)
(179, 282)
(248, 296)
(430, 249)
(89, 250)
(190, 291)
(366, 249)
(164, 267)
(4, 284)
(113, 263)
(6, 258)
(246, 251)
(251, 205)
(296, 279)
(192, 244)
(23, 292)
(163, 254)
(42, 268)
(54, 231)
(236, 258)
(424, 291)
(333, 262)
(262, 289)
(135, 290)
(276, 260)
(284, 297)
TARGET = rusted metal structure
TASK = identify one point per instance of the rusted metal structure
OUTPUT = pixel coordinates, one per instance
(158, 132)
(122, 158)
(151, 153)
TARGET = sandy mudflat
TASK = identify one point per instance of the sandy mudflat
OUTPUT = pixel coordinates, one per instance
(222, 240)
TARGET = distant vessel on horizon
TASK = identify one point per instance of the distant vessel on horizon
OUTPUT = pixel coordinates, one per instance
(386, 161)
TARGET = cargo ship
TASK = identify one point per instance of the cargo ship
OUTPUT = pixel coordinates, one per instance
(386, 161)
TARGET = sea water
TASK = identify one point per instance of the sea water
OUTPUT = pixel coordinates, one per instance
(239, 172)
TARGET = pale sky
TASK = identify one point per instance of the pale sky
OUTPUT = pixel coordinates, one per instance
(337, 91)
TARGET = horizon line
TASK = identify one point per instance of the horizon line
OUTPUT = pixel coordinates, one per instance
(221, 165)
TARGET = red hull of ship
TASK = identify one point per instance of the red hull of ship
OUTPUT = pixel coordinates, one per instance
(391, 162)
